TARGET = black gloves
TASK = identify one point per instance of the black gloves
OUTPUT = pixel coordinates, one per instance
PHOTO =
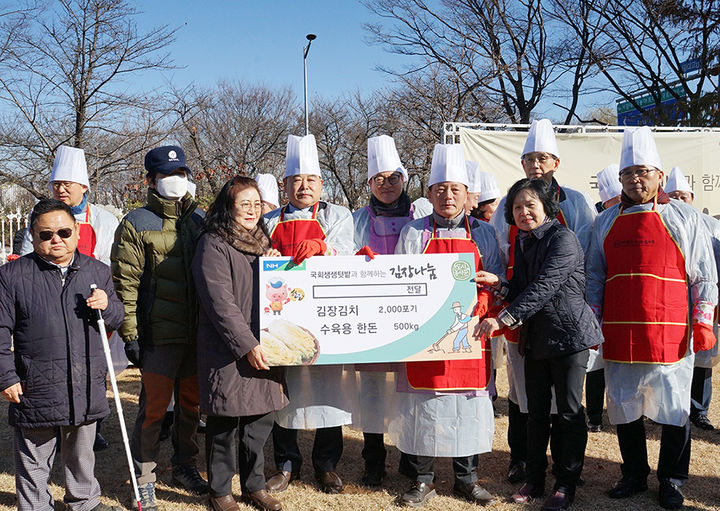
(133, 352)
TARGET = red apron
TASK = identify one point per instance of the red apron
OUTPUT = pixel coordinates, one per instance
(512, 335)
(86, 236)
(645, 309)
(452, 374)
(288, 233)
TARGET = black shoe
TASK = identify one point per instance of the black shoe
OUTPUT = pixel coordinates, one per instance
(702, 422)
(627, 487)
(670, 495)
(189, 478)
(373, 478)
(100, 443)
(418, 495)
(595, 428)
(473, 492)
(516, 472)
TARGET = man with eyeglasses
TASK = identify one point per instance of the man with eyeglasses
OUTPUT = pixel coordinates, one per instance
(52, 363)
(377, 228)
(70, 184)
(151, 267)
(540, 160)
(309, 227)
(650, 268)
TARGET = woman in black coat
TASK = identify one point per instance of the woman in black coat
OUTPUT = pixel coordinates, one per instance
(546, 297)
(238, 391)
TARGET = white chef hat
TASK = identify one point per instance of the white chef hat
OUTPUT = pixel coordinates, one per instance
(70, 165)
(473, 171)
(268, 188)
(608, 182)
(383, 157)
(489, 188)
(301, 156)
(639, 148)
(448, 164)
(541, 138)
(677, 182)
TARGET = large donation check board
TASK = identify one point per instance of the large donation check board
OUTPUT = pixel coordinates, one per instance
(351, 309)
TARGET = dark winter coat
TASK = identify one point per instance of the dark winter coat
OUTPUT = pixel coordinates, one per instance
(226, 281)
(58, 357)
(547, 293)
(150, 260)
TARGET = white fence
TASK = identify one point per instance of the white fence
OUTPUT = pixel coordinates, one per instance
(9, 225)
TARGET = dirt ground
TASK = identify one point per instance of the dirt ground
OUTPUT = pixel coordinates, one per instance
(602, 469)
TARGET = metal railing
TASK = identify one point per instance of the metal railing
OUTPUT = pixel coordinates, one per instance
(10, 224)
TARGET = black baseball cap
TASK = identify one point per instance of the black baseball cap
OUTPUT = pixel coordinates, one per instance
(165, 160)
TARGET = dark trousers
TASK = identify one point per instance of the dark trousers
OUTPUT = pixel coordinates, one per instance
(700, 391)
(517, 433)
(463, 467)
(595, 395)
(566, 374)
(167, 369)
(327, 449)
(374, 452)
(674, 460)
(226, 456)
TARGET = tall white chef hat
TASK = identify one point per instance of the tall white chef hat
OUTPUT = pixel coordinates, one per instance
(639, 148)
(383, 157)
(489, 188)
(677, 182)
(608, 182)
(268, 188)
(448, 164)
(301, 156)
(541, 138)
(70, 165)
(473, 175)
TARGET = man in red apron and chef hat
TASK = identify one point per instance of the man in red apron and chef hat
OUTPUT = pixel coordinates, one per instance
(320, 396)
(651, 278)
(444, 407)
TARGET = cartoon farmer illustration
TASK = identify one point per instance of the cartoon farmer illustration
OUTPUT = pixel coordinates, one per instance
(460, 325)
(277, 292)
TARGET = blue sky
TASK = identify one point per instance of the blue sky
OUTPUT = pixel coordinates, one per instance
(261, 43)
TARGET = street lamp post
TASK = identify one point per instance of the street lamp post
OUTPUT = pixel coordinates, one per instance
(306, 49)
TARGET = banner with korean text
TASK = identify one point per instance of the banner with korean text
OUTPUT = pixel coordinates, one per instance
(351, 309)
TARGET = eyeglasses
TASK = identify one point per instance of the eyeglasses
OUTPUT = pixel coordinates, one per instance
(63, 184)
(249, 206)
(544, 158)
(392, 179)
(628, 175)
(48, 235)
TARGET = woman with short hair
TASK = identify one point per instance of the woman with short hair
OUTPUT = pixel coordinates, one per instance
(546, 297)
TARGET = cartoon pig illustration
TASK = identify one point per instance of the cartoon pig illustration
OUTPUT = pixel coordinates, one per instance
(277, 292)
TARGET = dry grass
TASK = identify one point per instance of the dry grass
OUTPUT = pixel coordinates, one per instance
(601, 470)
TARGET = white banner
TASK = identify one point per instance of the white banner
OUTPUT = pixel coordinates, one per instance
(350, 309)
(582, 155)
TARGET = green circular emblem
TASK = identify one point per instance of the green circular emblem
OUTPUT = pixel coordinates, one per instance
(461, 270)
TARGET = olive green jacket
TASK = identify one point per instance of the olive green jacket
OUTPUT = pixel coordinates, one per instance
(150, 261)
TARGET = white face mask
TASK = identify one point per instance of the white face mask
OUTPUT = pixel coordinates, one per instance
(172, 187)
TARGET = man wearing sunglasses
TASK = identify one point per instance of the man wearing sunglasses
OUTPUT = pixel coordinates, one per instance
(69, 183)
(55, 377)
(151, 260)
